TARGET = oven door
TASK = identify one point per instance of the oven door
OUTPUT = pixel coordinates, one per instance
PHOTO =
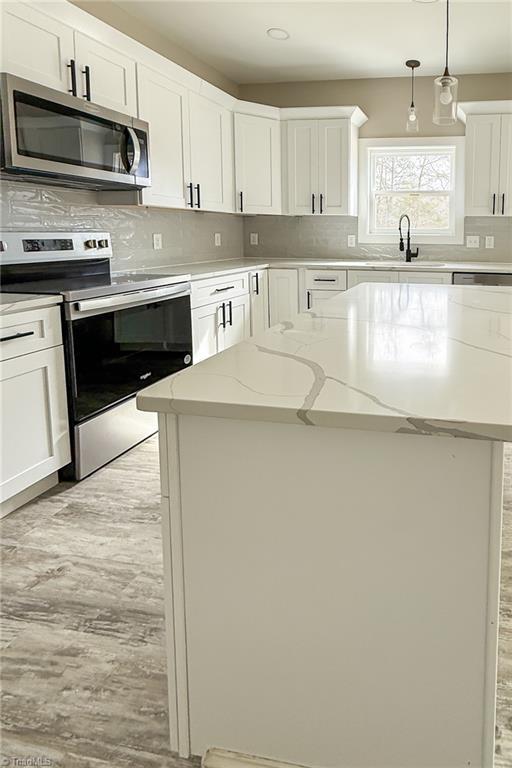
(47, 133)
(116, 348)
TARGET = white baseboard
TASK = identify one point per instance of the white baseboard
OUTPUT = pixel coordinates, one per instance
(224, 758)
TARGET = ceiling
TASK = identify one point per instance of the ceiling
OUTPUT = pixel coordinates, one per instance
(330, 40)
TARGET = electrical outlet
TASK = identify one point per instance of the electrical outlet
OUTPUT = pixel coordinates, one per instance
(472, 241)
(157, 241)
(218, 239)
(253, 238)
(489, 241)
(351, 241)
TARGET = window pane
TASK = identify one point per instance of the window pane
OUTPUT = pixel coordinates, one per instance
(428, 171)
(427, 212)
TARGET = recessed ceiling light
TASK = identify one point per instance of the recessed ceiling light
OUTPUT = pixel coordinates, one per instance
(276, 33)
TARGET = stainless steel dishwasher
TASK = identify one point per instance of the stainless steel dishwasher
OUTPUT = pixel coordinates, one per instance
(482, 278)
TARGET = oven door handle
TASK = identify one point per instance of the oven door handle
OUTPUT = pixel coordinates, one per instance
(124, 300)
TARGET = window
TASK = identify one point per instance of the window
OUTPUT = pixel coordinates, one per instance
(422, 178)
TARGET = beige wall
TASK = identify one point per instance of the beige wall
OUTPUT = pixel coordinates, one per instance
(385, 100)
(134, 28)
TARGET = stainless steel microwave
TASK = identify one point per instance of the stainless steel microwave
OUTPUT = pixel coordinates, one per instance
(46, 134)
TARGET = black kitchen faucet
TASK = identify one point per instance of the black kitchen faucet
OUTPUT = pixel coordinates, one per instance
(409, 255)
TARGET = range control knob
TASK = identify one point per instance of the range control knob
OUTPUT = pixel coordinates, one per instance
(102, 243)
(88, 244)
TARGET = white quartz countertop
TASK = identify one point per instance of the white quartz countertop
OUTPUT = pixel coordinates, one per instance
(418, 359)
(16, 302)
(205, 269)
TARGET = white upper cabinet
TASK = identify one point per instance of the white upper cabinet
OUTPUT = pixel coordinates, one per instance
(110, 78)
(257, 164)
(36, 47)
(322, 163)
(211, 154)
(302, 166)
(164, 105)
(488, 165)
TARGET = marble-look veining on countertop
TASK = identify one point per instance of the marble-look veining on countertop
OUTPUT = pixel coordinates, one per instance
(420, 359)
(325, 237)
(14, 302)
(188, 236)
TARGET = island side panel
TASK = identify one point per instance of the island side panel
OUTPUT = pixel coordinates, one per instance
(339, 593)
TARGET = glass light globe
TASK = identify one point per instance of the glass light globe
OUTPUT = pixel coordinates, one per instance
(446, 95)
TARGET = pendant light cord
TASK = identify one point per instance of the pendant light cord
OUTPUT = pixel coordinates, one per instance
(412, 88)
(447, 34)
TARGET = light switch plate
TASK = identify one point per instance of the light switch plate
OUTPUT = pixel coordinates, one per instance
(253, 238)
(489, 241)
(218, 239)
(157, 241)
(351, 241)
(472, 241)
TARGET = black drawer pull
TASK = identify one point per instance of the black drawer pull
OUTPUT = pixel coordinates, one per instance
(18, 336)
(312, 203)
(493, 204)
(321, 203)
(223, 309)
(308, 299)
(198, 190)
(241, 202)
(221, 290)
(191, 193)
(324, 279)
(72, 67)
(87, 72)
(230, 321)
(503, 204)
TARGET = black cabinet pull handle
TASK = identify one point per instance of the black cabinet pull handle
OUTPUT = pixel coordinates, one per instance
(72, 67)
(257, 276)
(241, 202)
(312, 203)
(223, 308)
(321, 203)
(17, 336)
(191, 193)
(221, 290)
(503, 204)
(308, 299)
(230, 321)
(493, 204)
(324, 279)
(198, 190)
(87, 72)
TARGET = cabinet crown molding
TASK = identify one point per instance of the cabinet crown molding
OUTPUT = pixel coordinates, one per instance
(465, 108)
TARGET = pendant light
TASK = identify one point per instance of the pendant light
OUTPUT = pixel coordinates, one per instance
(445, 88)
(413, 124)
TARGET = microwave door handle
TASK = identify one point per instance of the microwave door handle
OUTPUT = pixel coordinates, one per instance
(131, 136)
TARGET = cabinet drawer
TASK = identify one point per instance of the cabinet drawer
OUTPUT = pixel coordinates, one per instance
(431, 278)
(29, 331)
(219, 288)
(326, 279)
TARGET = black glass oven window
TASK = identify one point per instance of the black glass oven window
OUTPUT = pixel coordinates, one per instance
(53, 132)
(118, 353)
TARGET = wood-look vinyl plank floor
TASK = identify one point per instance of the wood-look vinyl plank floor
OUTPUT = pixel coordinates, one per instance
(82, 632)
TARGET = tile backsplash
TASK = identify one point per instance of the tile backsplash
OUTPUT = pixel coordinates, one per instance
(187, 236)
(326, 238)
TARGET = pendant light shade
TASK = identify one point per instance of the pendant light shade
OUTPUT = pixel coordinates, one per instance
(413, 124)
(445, 88)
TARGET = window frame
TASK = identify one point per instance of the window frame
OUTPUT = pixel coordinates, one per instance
(368, 147)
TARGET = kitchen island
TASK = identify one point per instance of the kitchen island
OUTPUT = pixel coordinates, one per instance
(331, 508)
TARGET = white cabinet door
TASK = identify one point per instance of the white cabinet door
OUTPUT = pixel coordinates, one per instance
(482, 164)
(505, 191)
(34, 435)
(207, 331)
(257, 164)
(211, 154)
(258, 286)
(333, 167)
(316, 298)
(112, 75)
(303, 167)
(356, 276)
(283, 294)
(238, 321)
(430, 278)
(36, 46)
(164, 105)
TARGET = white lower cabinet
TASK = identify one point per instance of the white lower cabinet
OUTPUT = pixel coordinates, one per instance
(431, 278)
(237, 326)
(283, 291)
(217, 326)
(258, 287)
(356, 276)
(35, 435)
(315, 297)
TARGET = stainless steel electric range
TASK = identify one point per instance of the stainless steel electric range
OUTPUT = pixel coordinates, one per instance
(122, 331)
